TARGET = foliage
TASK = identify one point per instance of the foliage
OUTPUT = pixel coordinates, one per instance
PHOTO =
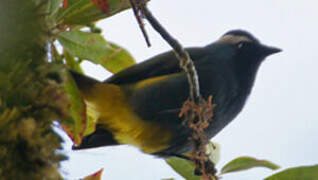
(186, 169)
(93, 47)
(183, 167)
(245, 162)
(83, 12)
(297, 173)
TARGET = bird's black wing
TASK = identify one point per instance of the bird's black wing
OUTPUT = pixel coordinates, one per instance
(162, 64)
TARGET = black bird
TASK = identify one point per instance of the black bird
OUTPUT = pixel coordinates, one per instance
(140, 105)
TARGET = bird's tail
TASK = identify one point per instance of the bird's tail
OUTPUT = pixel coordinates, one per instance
(87, 87)
(98, 138)
(83, 82)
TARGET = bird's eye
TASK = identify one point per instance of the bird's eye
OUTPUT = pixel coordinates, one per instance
(241, 44)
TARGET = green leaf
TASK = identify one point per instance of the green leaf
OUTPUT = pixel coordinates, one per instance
(297, 173)
(168, 179)
(71, 63)
(83, 12)
(183, 167)
(53, 6)
(117, 59)
(67, 3)
(244, 163)
(94, 47)
(76, 126)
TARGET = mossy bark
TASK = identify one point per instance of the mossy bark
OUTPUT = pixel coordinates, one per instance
(31, 93)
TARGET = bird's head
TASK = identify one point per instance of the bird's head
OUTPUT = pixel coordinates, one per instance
(246, 46)
(245, 53)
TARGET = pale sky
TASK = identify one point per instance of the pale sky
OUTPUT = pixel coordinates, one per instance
(280, 120)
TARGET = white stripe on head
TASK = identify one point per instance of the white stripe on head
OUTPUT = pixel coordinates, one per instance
(233, 39)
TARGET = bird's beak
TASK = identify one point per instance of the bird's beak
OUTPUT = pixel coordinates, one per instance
(267, 50)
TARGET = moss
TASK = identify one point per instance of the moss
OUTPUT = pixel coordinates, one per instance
(30, 97)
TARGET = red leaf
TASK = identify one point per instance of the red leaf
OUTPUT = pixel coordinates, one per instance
(102, 5)
(95, 176)
(65, 3)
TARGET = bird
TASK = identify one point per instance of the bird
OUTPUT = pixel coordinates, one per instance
(140, 105)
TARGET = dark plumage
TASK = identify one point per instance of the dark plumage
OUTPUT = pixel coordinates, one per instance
(155, 90)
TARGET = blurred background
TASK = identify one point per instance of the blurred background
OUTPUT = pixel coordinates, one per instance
(279, 122)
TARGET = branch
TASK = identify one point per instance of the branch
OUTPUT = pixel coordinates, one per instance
(196, 110)
(185, 61)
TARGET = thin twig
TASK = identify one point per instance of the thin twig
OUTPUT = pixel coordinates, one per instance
(140, 23)
(185, 61)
